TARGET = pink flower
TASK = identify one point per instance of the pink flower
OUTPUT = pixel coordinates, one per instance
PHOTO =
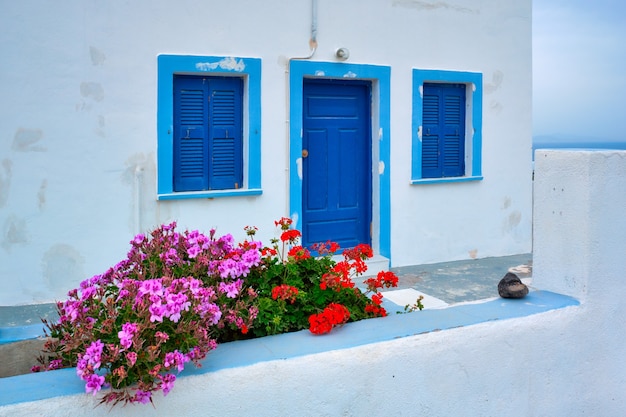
(210, 310)
(152, 287)
(83, 369)
(93, 354)
(55, 364)
(193, 251)
(139, 239)
(127, 333)
(157, 311)
(167, 383)
(170, 256)
(170, 226)
(94, 383)
(72, 310)
(142, 397)
(193, 285)
(176, 303)
(232, 289)
(175, 358)
(132, 358)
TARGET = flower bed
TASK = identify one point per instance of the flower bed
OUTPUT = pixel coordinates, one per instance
(177, 295)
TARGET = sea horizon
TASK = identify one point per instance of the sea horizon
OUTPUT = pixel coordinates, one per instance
(575, 142)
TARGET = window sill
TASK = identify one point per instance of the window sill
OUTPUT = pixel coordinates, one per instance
(32, 387)
(210, 194)
(445, 180)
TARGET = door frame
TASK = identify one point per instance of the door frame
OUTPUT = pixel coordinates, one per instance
(380, 77)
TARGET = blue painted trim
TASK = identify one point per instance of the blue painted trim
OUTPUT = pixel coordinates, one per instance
(446, 180)
(211, 194)
(168, 65)
(19, 333)
(381, 75)
(474, 81)
(32, 387)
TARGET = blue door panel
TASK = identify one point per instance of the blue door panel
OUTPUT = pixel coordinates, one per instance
(317, 198)
(337, 166)
(333, 108)
(349, 183)
(344, 232)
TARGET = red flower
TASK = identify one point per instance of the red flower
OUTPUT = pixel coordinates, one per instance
(327, 248)
(290, 235)
(376, 310)
(268, 252)
(377, 298)
(383, 279)
(284, 223)
(360, 266)
(339, 313)
(333, 315)
(342, 269)
(338, 277)
(360, 251)
(319, 324)
(299, 253)
(388, 279)
(285, 292)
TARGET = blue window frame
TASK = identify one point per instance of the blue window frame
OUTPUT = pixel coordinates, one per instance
(447, 126)
(208, 127)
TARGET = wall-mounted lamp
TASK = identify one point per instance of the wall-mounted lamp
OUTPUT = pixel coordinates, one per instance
(342, 53)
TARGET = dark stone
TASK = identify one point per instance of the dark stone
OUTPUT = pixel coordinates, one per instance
(512, 287)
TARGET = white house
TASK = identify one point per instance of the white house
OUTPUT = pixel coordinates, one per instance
(405, 124)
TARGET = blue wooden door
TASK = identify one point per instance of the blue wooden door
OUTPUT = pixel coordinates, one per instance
(336, 162)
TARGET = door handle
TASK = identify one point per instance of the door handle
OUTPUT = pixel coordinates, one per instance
(305, 153)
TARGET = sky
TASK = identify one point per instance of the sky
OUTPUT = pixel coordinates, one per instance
(579, 69)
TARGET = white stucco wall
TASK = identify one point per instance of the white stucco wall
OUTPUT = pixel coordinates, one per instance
(565, 362)
(78, 124)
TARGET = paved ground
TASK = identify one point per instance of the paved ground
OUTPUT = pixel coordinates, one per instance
(460, 281)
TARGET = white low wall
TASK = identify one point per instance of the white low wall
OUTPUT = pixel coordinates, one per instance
(564, 362)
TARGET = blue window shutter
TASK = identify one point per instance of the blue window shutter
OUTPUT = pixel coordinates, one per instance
(430, 134)
(190, 133)
(443, 130)
(225, 138)
(208, 135)
(454, 126)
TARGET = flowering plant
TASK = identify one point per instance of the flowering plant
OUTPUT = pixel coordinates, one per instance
(133, 328)
(298, 291)
(176, 295)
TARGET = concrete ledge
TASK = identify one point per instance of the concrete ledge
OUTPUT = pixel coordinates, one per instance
(41, 386)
